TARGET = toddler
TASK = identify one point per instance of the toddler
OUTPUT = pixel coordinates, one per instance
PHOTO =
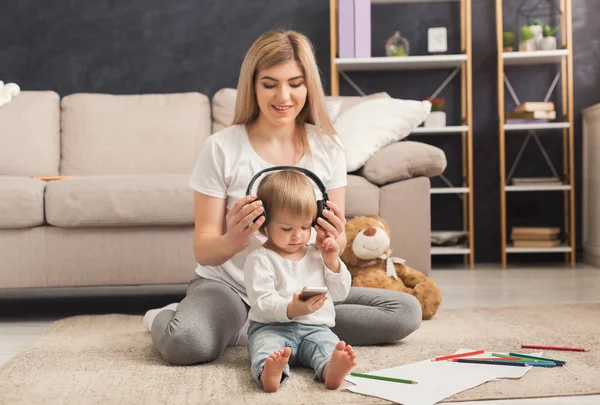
(284, 330)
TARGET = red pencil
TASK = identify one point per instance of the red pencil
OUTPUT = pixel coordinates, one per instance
(456, 356)
(571, 349)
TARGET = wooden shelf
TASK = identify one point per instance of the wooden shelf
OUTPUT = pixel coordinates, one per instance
(412, 1)
(539, 187)
(560, 60)
(456, 65)
(450, 250)
(401, 62)
(563, 248)
(457, 129)
(449, 190)
(528, 127)
(533, 57)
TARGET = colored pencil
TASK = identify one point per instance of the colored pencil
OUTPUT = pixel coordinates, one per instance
(507, 363)
(528, 359)
(378, 377)
(571, 349)
(496, 363)
(526, 356)
(498, 358)
(456, 356)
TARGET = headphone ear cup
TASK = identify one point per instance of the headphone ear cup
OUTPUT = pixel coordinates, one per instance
(320, 207)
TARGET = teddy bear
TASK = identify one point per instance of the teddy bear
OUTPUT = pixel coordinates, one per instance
(7, 92)
(368, 258)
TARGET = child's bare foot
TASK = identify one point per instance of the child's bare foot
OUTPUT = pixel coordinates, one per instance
(274, 365)
(342, 361)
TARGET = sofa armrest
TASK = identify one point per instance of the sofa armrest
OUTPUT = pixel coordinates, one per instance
(404, 160)
(406, 207)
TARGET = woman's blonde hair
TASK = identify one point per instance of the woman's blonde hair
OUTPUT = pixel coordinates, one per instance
(287, 191)
(273, 48)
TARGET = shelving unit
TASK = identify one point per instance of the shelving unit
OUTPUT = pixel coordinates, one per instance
(564, 57)
(459, 63)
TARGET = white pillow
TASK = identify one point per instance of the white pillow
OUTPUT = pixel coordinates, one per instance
(373, 124)
(333, 108)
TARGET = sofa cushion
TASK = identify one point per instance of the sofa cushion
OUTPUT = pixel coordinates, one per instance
(21, 202)
(133, 134)
(120, 201)
(362, 197)
(369, 126)
(403, 160)
(30, 134)
(338, 105)
(223, 108)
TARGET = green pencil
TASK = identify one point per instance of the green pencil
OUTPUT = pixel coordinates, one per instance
(526, 356)
(521, 358)
(378, 377)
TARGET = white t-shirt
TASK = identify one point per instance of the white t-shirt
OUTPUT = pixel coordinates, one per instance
(224, 169)
(272, 280)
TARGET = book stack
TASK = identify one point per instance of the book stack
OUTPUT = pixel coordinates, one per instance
(535, 237)
(532, 112)
(354, 28)
(535, 181)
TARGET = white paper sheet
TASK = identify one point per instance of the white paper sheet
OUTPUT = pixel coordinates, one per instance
(436, 380)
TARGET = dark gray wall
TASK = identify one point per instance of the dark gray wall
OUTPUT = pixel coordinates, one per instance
(152, 46)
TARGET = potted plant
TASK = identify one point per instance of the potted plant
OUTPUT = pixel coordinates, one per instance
(535, 25)
(508, 39)
(527, 42)
(549, 39)
(437, 117)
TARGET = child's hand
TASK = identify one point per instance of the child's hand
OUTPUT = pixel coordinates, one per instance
(297, 307)
(330, 251)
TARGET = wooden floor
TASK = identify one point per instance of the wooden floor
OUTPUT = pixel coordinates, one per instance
(22, 321)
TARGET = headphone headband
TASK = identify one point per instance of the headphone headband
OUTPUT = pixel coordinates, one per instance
(302, 170)
(321, 204)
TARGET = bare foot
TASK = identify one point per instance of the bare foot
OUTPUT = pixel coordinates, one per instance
(274, 365)
(342, 361)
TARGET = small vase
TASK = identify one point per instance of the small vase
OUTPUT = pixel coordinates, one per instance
(397, 45)
(435, 119)
(527, 46)
(549, 43)
(508, 49)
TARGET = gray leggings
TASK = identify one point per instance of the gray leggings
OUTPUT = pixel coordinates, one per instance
(212, 313)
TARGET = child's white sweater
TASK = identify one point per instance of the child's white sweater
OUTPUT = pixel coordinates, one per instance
(272, 280)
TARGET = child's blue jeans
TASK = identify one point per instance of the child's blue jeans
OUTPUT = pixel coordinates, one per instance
(312, 346)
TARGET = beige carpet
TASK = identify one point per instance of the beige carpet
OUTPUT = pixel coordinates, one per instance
(110, 360)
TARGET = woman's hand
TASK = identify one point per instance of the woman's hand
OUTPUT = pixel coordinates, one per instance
(240, 222)
(334, 227)
(297, 307)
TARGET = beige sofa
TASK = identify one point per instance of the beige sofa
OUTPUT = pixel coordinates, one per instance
(125, 217)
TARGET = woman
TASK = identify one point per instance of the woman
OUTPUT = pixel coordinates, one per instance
(280, 119)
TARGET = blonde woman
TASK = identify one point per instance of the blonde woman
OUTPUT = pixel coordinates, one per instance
(280, 119)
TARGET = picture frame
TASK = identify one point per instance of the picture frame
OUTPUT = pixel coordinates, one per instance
(438, 26)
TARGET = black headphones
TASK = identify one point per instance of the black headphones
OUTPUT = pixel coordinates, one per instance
(321, 204)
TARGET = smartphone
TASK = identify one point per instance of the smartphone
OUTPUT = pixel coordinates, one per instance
(308, 292)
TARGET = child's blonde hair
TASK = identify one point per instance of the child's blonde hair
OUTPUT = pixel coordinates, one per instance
(273, 48)
(287, 191)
